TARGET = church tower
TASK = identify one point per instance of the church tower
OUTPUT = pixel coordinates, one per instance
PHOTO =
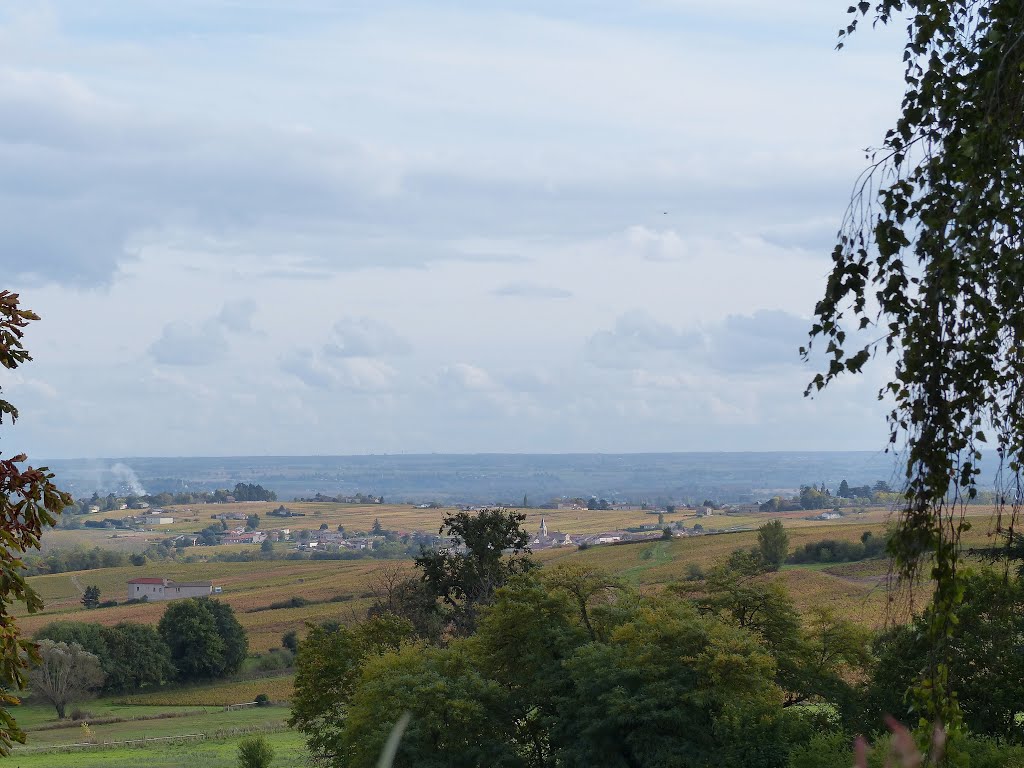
(543, 527)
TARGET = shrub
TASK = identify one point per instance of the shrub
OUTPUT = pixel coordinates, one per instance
(262, 700)
(255, 752)
(272, 662)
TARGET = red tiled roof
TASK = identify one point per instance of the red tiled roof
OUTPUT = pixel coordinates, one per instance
(146, 580)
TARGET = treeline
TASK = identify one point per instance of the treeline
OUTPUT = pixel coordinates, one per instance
(569, 666)
(81, 559)
(814, 497)
(112, 503)
(836, 551)
(196, 639)
(359, 498)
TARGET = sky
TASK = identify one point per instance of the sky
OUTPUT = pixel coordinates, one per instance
(311, 227)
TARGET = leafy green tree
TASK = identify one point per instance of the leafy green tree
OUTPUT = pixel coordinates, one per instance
(844, 490)
(661, 692)
(986, 668)
(377, 529)
(65, 674)
(773, 544)
(91, 597)
(139, 658)
(236, 642)
(327, 667)
(465, 726)
(466, 574)
(814, 498)
(255, 752)
(928, 264)
(252, 522)
(92, 637)
(29, 502)
(204, 637)
(267, 547)
(534, 625)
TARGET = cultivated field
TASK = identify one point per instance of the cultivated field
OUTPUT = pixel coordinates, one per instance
(206, 734)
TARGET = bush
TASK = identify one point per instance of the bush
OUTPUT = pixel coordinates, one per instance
(255, 752)
(262, 700)
(281, 659)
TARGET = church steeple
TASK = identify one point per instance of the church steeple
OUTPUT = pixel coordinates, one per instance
(543, 527)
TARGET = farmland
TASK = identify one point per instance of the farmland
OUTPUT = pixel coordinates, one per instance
(205, 733)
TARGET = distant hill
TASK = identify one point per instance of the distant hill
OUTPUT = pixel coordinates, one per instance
(488, 478)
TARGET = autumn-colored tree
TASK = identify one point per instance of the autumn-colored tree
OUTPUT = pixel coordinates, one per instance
(29, 502)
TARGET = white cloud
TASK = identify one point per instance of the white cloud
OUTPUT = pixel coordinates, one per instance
(541, 230)
(365, 337)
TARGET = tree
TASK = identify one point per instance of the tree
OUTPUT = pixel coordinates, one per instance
(65, 674)
(91, 637)
(290, 640)
(205, 639)
(255, 752)
(91, 598)
(668, 688)
(666, 533)
(464, 727)
(986, 669)
(139, 658)
(252, 522)
(29, 502)
(773, 544)
(929, 264)
(267, 547)
(844, 490)
(377, 529)
(327, 667)
(466, 574)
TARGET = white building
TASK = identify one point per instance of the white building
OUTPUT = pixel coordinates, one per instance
(165, 589)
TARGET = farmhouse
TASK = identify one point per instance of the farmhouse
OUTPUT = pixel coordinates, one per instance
(157, 519)
(165, 589)
(241, 537)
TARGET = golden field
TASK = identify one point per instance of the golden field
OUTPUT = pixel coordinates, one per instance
(857, 590)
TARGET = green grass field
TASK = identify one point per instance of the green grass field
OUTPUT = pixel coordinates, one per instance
(208, 752)
(151, 736)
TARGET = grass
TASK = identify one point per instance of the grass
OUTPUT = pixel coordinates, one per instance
(210, 752)
(225, 693)
(209, 732)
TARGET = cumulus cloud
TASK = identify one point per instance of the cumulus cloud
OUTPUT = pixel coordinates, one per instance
(466, 377)
(655, 245)
(181, 343)
(361, 374)
(764, 339)
(365, 337)
(636, 339)
(237, 315)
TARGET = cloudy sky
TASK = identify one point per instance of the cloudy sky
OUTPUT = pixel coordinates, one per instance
(305, 226)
